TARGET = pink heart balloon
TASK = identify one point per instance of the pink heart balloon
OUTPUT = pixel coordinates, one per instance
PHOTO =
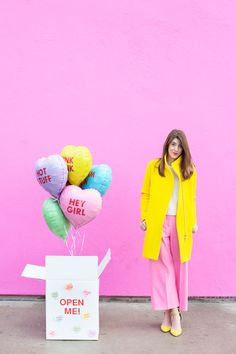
(80, 206)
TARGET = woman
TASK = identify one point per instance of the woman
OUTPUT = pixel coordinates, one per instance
(168, 214)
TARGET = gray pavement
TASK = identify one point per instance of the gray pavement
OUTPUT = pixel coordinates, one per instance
(125, 327)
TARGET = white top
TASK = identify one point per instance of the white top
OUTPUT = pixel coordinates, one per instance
(172, 207)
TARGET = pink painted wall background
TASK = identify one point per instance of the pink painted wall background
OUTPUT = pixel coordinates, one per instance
(117, 77)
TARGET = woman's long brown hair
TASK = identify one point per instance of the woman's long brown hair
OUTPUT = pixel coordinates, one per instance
(187, 166)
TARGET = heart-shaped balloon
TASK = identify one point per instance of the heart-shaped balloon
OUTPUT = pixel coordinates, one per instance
(99, 178)
(55, 218)
(80, 206)
(79, 162)
(51, 173)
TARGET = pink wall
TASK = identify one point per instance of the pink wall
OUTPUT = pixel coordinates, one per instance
(117, 77)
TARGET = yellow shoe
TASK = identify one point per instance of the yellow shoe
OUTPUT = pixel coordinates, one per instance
(175, 332)
(165, 329)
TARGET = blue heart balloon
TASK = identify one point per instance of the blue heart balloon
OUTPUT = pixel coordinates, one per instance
(99, 178)
(51, 173)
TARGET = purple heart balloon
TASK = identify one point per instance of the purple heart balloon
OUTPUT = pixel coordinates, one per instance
(51, 173)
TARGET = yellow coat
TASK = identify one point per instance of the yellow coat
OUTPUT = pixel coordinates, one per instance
(156, 194)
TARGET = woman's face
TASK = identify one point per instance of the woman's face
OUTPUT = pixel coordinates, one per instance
(174, 150)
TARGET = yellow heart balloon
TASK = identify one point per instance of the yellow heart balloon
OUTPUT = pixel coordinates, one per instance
(79, 163)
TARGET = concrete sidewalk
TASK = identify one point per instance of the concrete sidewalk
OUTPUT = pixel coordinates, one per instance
(125, 327)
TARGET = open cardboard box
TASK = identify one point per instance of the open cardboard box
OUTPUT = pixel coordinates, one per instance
(72, 295)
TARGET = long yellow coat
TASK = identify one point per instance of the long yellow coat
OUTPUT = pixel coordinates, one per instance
(155, 198)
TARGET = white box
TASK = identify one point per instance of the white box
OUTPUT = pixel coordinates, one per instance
(72, 295)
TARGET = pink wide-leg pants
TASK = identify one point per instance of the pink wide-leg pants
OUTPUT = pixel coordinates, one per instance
(169, 277)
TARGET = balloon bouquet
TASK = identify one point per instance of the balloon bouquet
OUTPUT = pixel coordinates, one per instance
(77, 188)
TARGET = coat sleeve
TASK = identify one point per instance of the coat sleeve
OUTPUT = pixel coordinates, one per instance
(145, 192)
(194, 188)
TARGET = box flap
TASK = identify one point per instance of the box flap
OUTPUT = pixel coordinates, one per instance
(74, 267)
(104, 262)
(34, 271)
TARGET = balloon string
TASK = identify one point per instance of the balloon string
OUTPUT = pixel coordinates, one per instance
(81, 240)
(74, 243)
(68, 248)
(81, 249)
(76, 238)
(66, 243)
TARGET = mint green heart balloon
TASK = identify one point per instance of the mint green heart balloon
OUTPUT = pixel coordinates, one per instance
(55, 218)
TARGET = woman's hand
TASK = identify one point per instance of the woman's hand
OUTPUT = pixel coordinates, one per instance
(195, 228)
(143, 225)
